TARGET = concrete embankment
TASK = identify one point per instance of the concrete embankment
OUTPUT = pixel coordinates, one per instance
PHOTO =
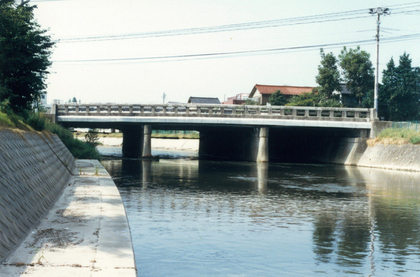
(355, 151)
(397, 157)
(83, 233)
(34, 168)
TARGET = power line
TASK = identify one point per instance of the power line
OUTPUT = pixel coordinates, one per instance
(321, 18)
(243, 52)
(348, 15)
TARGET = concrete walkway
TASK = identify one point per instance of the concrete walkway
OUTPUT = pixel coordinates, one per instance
(86, 233)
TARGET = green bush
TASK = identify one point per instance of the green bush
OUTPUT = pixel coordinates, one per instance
(79, 149)
(82, 150)
(37, 121)
(415, 140)
(5, 121)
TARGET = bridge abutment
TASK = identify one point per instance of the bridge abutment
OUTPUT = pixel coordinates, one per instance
(132, 142)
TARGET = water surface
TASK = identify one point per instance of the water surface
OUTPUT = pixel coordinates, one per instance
(200, 218)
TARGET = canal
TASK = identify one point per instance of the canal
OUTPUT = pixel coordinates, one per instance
(202, 218)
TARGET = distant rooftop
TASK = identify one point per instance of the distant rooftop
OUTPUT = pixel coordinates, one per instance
(204, 100)
(287, 90)
(344, 89)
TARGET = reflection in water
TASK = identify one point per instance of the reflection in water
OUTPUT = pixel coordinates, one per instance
(202, 218)
(146, 166)
(396, 207)
(262, 175)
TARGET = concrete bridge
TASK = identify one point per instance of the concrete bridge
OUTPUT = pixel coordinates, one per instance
(229, 132)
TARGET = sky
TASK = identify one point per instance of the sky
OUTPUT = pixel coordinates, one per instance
(137, 51)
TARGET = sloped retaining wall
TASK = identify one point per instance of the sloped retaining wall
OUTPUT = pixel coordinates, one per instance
(354, 151)
(34, 168)
(397, 157)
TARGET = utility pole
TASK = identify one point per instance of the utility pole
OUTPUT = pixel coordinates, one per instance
(378, 11)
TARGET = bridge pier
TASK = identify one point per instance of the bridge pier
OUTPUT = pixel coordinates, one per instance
(132, 142)
(147, 141)
(263, 155)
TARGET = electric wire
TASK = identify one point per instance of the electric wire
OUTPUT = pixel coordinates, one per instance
(314, 19)
(231, 27)
(245, 52)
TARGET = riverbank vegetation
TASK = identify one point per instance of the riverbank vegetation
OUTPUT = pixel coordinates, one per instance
(38, 122)
(394, 136)
(79, 149)
(25, 52)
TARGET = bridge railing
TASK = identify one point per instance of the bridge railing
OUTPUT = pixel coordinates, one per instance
(202, 110)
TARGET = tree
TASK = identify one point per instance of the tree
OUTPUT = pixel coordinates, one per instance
(305, 99)
(277, 99)
(92, 137)
(399, 93)
(24, 55)
(251, 101)
(328, 77)
(358, 72)
(312, 99)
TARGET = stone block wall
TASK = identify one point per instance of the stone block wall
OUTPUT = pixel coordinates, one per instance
(34, 169)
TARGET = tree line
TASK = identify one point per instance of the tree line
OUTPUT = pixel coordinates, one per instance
(348, 81)
(25, 52)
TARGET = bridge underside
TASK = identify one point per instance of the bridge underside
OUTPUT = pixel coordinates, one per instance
(250, 143)
(286, 144)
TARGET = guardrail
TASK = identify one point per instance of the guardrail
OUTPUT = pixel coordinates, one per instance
(235, 111)
(412, 125)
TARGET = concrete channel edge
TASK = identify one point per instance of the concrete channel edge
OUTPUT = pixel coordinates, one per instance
(86, 233)
(59, 216)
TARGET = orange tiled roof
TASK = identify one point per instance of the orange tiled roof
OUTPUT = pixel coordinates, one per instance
(287, 90)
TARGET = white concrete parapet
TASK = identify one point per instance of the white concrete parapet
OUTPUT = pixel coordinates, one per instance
(225, 111)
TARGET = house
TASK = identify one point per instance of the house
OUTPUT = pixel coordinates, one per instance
(238, 99)
(347, 98)
(263, 92)
(203, 100)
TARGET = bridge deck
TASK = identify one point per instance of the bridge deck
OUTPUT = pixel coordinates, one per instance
(215, 115)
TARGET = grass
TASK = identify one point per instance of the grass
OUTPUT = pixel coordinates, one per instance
(5, 121)
(13, 121)
(393, 136)
(38, 122)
